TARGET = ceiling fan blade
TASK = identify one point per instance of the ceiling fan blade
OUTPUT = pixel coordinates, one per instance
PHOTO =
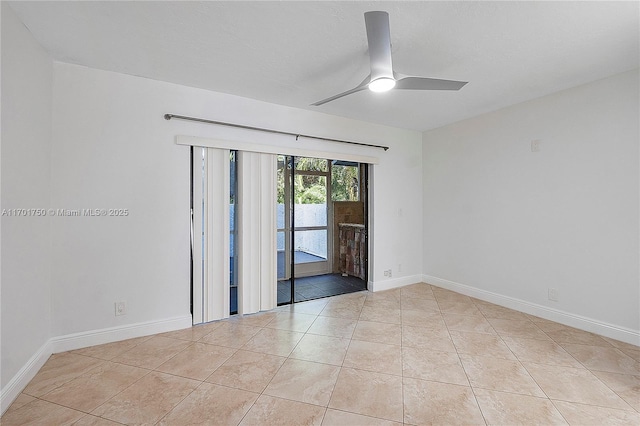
(358, 88)
(423, 83)
(382, 77)
(379, 39)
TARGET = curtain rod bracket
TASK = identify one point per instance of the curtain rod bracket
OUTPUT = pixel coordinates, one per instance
(297, 135)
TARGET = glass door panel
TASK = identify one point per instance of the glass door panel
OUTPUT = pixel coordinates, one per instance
(283, 217)
(311, 246)
(233, 260)
(311, 201)
(307, 164)
(283, 261)
(303, 221)
(310, 193)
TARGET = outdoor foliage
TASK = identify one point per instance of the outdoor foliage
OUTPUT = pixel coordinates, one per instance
(345, 183)
(310, 189)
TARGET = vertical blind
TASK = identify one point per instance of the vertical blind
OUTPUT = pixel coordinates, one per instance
(257, 264)
(256, 215)
(211, 274)
(256, 241)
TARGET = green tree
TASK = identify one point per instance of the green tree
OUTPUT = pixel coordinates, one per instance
(345, 182)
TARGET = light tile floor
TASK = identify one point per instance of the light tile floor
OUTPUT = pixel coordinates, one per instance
(416, 355)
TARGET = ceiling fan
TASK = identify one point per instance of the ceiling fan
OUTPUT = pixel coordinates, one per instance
(382, 77)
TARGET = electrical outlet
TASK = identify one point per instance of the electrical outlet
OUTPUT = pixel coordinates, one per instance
(387, 273)
(121, 308)
(535, 145)
(553, 294)
(399, 267)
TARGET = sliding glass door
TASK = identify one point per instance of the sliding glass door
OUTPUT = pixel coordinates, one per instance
(304, 218)
(303, 192)
(310, 192)
(246, 203)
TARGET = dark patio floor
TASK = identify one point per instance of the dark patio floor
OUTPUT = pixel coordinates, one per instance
(300, 257)
(308, 288)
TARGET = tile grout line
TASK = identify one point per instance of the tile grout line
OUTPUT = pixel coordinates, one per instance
(572, 356)
(264, 326)
(565, 351)
(473, 391)
(521, 363)
(148, 371)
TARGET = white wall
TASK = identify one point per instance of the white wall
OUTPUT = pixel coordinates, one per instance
(112, 148)
(26, 167)
(504, 220)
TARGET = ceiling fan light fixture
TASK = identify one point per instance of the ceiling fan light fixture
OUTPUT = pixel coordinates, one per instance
(382, 76)
(382, 84)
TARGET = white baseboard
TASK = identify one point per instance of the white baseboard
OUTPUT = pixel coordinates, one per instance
(28, 371)
(393, 283)
(85, 339)
(622, 334)
(82, 340)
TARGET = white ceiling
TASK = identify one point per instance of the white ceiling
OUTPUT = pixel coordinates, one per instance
(296, 53)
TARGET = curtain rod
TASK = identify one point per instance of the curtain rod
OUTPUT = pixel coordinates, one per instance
(297, 135)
